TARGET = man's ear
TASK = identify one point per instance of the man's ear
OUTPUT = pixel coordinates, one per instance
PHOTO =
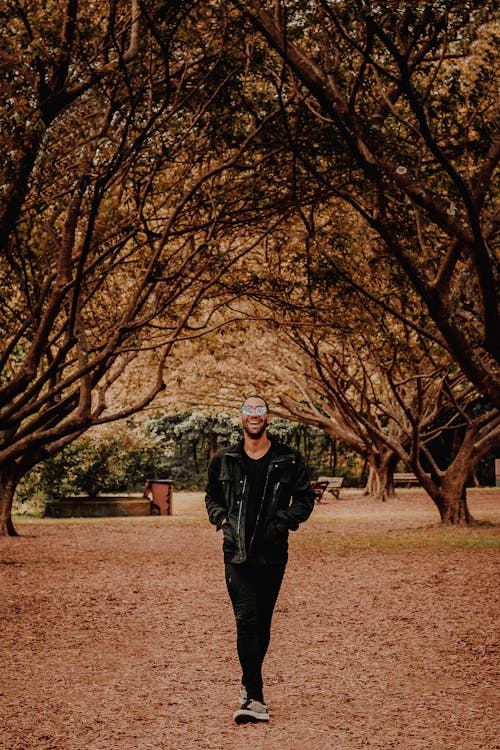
(269, 418)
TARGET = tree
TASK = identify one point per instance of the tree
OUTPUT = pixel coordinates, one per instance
(387, 404)
(402, 104)
(115, 205)
(360, 370)
(371, 373)
(399, 415)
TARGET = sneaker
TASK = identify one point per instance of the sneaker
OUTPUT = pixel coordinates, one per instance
(243, 697)
(251, 711)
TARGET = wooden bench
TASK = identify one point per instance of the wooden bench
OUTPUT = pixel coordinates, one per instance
(405, 477)
(327, 484)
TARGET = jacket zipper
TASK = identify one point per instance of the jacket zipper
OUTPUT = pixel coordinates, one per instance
(239, 516)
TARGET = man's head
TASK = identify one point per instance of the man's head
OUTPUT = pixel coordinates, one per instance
(255, 416)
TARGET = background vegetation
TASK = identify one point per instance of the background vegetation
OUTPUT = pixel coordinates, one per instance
(177, 447)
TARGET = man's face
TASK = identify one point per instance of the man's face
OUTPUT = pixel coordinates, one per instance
(255, 424)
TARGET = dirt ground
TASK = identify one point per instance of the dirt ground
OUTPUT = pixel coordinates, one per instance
(117, 634)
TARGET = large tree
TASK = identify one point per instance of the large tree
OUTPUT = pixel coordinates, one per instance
(392, 108)
(350, 361)
(115, 207)
(369, 364)
(389, 403)
(399, 406)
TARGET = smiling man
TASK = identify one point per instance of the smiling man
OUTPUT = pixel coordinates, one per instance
(257, 491)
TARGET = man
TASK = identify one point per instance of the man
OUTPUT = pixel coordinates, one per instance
(257, 491)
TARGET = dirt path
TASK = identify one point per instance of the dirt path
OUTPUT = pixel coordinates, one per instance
(118, 635)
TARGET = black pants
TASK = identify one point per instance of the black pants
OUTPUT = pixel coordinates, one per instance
(253, 590)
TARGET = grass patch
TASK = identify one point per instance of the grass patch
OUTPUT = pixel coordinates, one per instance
(126, 521)
(431, 538)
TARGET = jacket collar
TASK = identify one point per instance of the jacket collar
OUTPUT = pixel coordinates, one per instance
(277, 449)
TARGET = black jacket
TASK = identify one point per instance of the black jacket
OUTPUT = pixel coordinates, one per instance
(287, 501)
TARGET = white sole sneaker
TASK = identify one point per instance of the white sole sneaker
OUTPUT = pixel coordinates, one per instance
(251, 712)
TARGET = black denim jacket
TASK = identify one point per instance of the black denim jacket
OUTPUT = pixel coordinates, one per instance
(288, 500)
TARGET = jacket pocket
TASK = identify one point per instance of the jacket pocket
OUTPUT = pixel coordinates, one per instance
(229, 541)
(275, 532)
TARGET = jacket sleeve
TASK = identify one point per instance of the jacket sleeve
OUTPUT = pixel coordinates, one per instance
(214, 497)
(303, 498)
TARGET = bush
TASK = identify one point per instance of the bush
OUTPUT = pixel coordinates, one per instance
(33, 503)
(109, 461)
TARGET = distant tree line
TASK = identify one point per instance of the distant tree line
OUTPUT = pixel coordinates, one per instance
(177, 447)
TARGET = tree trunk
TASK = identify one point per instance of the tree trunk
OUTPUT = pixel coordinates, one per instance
(380, 482)
(449, 493)
(451, 502)
(8, 484)
(214, 445)
(448, 488)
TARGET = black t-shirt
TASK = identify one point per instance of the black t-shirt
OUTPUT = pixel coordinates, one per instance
(256, 471)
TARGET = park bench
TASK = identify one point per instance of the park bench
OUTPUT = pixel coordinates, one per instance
(405, 477)
(327, 484)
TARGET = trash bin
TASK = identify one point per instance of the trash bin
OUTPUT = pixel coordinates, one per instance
(161, 492)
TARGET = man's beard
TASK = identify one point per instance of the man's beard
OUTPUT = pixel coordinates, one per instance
(256, 435)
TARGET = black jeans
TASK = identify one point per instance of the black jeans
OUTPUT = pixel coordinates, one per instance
(253, 590)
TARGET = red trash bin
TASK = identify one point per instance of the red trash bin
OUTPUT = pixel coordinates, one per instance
(162, 491)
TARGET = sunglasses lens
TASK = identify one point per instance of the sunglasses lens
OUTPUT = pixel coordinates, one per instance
(259, 410)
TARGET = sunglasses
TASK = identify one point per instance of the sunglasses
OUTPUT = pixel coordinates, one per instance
(259, 410)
